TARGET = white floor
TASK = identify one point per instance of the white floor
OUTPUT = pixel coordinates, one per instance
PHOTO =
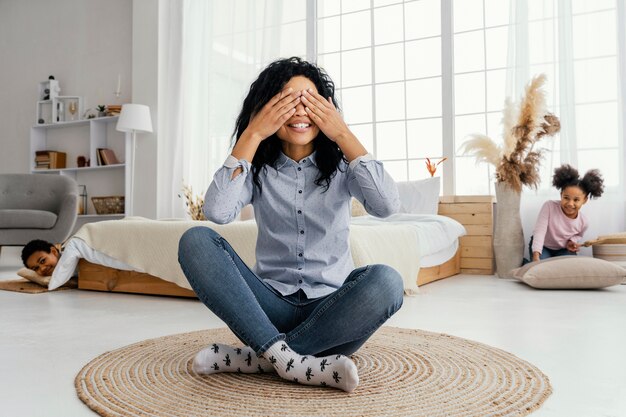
(578, 338)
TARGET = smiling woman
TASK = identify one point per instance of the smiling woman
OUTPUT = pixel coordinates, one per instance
(304, 305)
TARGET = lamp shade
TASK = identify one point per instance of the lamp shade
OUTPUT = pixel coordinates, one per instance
(134, 118)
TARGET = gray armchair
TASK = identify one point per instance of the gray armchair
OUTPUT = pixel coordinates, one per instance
(36, 206)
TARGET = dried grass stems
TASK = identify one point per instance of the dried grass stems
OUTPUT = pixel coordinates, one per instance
(524, 124)
(193, 203)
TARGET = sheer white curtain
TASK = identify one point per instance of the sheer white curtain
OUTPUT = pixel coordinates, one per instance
(577, 45)
(212, 50)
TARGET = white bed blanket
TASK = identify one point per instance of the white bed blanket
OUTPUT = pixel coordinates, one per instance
(152, 245)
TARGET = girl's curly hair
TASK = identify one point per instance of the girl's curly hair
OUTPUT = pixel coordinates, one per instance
(269, 83)
(592, 183)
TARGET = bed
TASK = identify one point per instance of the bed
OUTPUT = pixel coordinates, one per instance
(369, 236)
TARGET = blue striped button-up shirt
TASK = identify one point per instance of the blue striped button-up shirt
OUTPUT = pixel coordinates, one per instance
(303, 239)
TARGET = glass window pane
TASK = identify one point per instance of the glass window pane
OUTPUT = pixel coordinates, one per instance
(397, 170)
(541, 9)
(365, 135)
(378, 3)
(606, 160)
(356, 67)
(356, 30)
(390, 140)
(423, 98)
(418, 171)
(423, 58)
(594, 35)
(469, 93)
(475, 179)
(293, 37)
(496, 12)
(468, 14)
(603, 72)
(597, 125)
(583, 6)
(332, 64)
(496, 89)
(494, 126)
(293, 10)
(467, 125)
(389, 61)
(497, 45)
(541, 41)
(422, 19)
(424, 138)
(328, 35)
(357, 104)
(390, 101)
(469, 52)
(388, 25)
(348, 6)
(328, 7)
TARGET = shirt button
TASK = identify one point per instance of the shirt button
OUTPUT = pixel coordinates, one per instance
(301, 232)
(299, 281)
(299, 211)
(300, 255)
(299, 169)
(299, 191)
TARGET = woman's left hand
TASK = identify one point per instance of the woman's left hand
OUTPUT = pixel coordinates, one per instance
(323, 113)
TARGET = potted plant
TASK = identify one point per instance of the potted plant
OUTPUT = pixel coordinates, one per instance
(102, 110)
(516, 163)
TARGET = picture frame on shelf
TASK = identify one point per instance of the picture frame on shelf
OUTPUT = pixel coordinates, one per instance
(60, 109)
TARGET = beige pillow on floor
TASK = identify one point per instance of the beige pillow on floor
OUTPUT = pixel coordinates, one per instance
(570, 272)
(31, 275)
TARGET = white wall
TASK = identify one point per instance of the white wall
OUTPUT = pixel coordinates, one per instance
(145, 88)
(85, 44)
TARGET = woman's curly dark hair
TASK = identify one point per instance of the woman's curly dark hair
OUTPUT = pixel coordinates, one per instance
(566, 175)
(269, 83)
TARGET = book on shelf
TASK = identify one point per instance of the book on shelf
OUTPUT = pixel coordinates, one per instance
(50, 160)
(107, 157)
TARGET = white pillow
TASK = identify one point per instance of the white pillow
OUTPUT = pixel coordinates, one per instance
(570, 272)
(31, 275)
(419, 197)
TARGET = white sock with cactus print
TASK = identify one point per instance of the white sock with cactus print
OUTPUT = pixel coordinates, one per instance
(223, 358)
(336, 371)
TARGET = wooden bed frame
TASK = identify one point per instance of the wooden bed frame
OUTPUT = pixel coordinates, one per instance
(102, 278)
(474, 256)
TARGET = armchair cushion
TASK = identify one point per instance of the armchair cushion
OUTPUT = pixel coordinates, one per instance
(27, 219)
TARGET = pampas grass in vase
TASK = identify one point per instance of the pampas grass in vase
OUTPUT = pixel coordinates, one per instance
(516, 163)
(516, 159)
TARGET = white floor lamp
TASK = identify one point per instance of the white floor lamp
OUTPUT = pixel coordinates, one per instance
(134, 118)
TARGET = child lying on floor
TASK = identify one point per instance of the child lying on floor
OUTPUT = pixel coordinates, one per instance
(60, 262)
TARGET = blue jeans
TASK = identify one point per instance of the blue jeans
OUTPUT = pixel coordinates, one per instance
(258, 315)
(547, 252)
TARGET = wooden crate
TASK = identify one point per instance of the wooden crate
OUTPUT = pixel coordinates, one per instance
(475, 212)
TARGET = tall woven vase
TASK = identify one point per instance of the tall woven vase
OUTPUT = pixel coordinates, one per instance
(508, 239)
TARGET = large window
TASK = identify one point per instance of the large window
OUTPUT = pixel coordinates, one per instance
(416, 77)
(385, 57)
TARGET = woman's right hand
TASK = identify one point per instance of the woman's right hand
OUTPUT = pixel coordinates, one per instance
(274, 114)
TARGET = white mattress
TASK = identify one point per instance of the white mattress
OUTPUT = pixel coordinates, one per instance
(439, 257)
(438, 236)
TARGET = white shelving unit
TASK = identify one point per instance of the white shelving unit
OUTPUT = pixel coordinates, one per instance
(83, 138)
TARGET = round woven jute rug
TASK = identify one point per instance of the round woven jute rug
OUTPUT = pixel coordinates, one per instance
(402, 373)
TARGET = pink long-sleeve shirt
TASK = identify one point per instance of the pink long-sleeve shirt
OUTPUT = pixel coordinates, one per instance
(553, 228)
